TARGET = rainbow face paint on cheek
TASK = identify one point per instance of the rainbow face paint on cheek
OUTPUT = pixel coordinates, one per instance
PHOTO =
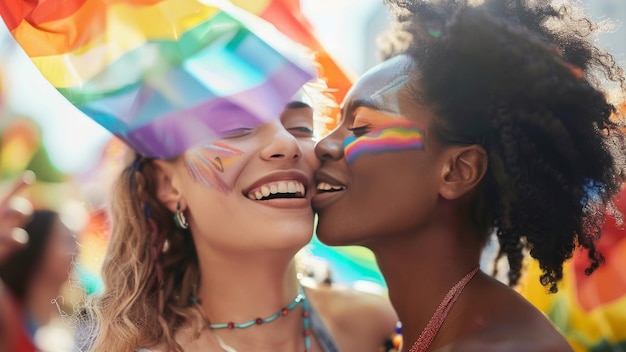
(207, 164)
(384, 140)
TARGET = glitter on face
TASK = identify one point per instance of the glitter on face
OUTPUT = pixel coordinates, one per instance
(206, 163)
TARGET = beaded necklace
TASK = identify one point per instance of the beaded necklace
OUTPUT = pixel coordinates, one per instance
(434, 324)
(300, 298)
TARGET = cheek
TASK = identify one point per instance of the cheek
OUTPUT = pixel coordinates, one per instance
(210, 208)
(214, 166)
(308, 154)
(388, 195)
(400, 184)
(58, 262)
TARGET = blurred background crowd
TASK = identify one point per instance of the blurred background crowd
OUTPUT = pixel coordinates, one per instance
(75, 160)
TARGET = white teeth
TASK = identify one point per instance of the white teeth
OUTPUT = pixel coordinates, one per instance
(277, 187)
(323, 186)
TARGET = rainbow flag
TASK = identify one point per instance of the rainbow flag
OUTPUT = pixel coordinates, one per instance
(163, 75)
(590, 311)
(288, 18)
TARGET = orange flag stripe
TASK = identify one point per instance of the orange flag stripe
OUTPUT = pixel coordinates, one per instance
(59, 27)
(62, 35)
(288, 18)
(38, 14)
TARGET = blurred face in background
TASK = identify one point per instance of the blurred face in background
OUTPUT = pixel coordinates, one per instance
(56, 263)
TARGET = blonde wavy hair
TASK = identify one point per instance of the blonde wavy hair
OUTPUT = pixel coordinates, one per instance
(150, 271)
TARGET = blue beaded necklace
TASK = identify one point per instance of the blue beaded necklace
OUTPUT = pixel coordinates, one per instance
(300, 298)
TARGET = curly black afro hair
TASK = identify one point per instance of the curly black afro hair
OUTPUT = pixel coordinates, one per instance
(523, 79)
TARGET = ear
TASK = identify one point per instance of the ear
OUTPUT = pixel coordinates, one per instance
(464, 167)
(167, 191)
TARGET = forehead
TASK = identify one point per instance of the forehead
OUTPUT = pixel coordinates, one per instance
(302, 96)
(387, 77)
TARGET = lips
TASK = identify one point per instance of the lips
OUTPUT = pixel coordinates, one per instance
(327, 182)
(278, 185)
(329, 188)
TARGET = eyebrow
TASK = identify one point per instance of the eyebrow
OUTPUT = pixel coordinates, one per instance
(360, 103)
(297, 105)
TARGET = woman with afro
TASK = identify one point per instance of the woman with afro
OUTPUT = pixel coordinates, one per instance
(483, 118)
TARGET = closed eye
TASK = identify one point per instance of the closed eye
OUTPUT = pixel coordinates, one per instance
(301, 131)
(237, 132)
(359, 130)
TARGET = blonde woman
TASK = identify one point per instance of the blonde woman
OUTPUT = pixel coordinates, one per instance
(202, 258)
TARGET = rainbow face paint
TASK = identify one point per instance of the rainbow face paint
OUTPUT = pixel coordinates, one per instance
(206, 163)
(394, 137)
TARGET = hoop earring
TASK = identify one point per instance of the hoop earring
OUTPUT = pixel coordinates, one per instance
(179, 218)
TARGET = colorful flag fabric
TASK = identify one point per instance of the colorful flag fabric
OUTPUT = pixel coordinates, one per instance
(163, 75)
(22, 148)
(289, 19)
(590, 311)
(348, 265)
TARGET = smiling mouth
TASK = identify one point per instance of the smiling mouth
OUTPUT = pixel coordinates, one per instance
(325, 187)
(278, 190)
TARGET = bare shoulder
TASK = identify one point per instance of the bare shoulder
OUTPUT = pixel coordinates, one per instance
(359, 321)
(507, 322)
(510, 343)
(525, 333)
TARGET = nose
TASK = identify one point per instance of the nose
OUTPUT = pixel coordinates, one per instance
(282, 145)
(330, 147)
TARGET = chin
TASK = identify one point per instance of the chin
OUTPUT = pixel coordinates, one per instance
(333, 235)
(343, 233)
(292, 234)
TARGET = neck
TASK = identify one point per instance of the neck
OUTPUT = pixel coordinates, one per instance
(420, 269)
(249, 287)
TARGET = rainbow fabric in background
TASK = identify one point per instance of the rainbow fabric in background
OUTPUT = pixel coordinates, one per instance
(287, 16)
(349, 265)
(589, 310)
(163, 75)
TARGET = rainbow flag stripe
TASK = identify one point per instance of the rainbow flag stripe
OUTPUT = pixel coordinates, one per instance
(289, 19)
(590, 311)
(163, 75)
